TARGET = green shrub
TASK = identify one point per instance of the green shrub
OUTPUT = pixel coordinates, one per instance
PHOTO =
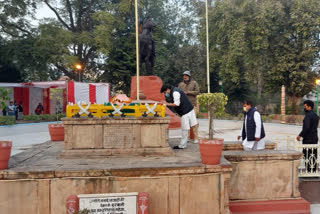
(7, 120)
(240, 116)
(31, 117)
(264, 118)
(61, 115)
(46, 117)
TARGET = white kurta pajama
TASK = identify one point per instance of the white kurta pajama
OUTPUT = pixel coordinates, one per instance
(253, 145)
(187, 120)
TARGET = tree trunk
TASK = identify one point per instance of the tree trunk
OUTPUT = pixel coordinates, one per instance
(260, 84)
(293, 103)
(211, 116)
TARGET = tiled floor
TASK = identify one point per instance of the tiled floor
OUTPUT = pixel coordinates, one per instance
(315, 208)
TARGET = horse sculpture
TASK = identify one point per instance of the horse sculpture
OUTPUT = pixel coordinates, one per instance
(146, 46)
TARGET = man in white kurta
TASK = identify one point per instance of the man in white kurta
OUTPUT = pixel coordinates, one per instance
(258, 142)
(184, 108)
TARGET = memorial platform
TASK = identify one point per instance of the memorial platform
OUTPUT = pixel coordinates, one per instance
(39, 182)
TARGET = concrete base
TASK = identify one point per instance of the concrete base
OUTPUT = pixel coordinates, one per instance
(237, 145)
(289, 206)
(39, 183)
(94, 137)
(263, 175)
(310, 189)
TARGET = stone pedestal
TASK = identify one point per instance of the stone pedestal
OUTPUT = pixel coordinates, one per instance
(237, 145)
(265, 182)
(92, 137)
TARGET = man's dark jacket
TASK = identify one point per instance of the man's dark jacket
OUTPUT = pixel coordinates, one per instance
(309, 131)
(185, 105)
(251, 126)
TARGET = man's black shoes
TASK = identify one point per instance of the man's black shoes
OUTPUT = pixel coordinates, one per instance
(177, 147)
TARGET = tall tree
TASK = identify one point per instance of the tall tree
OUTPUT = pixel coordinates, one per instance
(269, 43)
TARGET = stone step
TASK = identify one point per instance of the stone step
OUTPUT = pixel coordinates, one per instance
(310, 189)
(288, 206)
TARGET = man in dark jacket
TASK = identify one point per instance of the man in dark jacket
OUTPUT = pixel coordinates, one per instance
(252, 132)
(309, 134)
(184, 108)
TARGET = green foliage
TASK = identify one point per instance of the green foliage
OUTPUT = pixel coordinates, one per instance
(56, 95)
(240, 116)
(3, 98)
(263, 45)
(85, 211)
(45, 117)
(31, 117)
(217, 101)
(224, 116)
(7, 120)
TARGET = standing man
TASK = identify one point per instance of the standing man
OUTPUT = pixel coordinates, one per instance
(11, 109)
(309, 134)
(252, 132)
(184, 108)
(191, 89)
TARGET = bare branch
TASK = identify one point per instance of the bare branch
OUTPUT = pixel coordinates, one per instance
(70, 13)
(58, 16)
(80, 12)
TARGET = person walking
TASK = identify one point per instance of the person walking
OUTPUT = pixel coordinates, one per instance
(191, 89)
(184, 109)
(309, 135)
(252, 132)
(20, 111)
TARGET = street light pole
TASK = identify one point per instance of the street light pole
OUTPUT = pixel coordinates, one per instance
(79, 67)
(207, 38)
(317, 100)
(317, 95)
(137, 49)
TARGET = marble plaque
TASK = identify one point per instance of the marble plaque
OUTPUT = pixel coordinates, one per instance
(114, 203)
(117, 136)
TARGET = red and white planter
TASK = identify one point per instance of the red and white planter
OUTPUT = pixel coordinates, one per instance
(56, 132)
(5, 152)
(210, 150)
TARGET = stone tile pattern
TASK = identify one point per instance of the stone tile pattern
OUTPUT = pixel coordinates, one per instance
(92, 137)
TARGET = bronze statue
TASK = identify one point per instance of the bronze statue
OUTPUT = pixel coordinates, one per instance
(146, 46)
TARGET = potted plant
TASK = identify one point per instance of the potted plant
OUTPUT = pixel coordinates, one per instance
(5, 146)
(211, 149)
(56, 131)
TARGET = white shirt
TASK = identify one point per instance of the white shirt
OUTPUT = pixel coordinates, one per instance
(176, 98)
(254, 145)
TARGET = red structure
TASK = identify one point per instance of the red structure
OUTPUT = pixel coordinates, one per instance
(72, 204)
(150, 86)
(143, 203)
(288, 206)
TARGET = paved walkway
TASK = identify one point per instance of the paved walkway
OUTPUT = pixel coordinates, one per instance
(24, 136)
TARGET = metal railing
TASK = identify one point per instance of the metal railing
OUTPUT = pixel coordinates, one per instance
(309, 163)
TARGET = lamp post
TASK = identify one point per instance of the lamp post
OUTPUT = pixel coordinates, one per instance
(207, 41)
(79, 67)
(137, 48)
(221, 85)
(317, 95)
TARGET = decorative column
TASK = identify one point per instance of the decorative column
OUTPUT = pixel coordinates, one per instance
(283, 105)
